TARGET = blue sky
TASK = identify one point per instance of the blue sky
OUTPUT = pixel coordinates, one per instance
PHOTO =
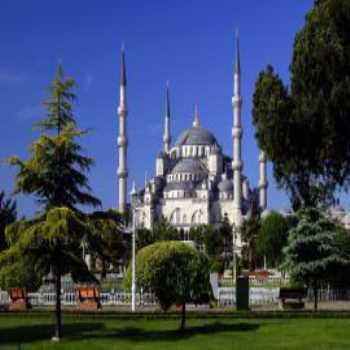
(189, 43)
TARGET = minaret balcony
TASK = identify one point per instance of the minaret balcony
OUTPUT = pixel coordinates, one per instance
(122, 141)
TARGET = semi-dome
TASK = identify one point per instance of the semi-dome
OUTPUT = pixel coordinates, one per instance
(196, 136)
(225, 185)
(189, 165)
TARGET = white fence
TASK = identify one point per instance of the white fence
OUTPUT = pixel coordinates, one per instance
(226, 297)
(257, 296)
(69, 299)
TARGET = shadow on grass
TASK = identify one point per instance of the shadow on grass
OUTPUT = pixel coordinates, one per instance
(32, 333)
(97, 331)
(138, 334)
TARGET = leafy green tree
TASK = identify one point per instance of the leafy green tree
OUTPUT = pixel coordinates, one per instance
(8, 214)
(304, 130)
(161, 231)
(340, 276)
(175, 272)
(107, 241)
(249, 232)
(216, 242)
(52, 240)
(209, 240)
(313, 253)
(272, 237)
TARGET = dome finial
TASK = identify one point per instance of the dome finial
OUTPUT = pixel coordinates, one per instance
(133, 189)
(196, 122)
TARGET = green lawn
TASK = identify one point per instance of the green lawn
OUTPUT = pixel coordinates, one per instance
(110, 331)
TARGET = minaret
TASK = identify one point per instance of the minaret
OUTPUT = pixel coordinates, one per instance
(237, 137)
(167, 133)
(122, 138)
(263, 184)
(196, 123)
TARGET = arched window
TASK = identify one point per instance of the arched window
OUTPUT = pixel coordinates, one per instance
(197, 217)
(175, 217)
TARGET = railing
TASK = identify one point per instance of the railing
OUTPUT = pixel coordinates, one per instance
(4, 297)
(330, 295)
(69, 299)
(257, 296)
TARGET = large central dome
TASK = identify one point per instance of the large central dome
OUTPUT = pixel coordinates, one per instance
(196, 136)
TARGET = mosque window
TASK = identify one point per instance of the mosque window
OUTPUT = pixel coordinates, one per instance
(197, 217)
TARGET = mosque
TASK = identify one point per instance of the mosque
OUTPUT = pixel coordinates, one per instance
(195, 182)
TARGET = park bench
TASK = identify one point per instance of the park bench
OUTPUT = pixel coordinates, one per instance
(88, 298)
(19, 299)
(292, 298)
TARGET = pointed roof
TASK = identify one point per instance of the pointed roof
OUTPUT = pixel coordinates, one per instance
(196, 122)
(167, 101)
(122, 68)
(237, 55)
(133, 189)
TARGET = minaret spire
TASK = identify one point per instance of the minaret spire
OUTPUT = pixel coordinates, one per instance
(122, 137)
(196, 123)
(237, 137)
(237, 55)
(167, 132)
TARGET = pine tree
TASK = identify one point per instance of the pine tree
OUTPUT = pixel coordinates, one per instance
(59, 105)
(55, 173)
(312, 254)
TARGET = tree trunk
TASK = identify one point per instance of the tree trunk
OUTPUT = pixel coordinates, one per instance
(183, 318)
(315, 296)
(58, 327)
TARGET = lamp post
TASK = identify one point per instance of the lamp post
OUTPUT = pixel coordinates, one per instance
(234, 262)
(133, 262)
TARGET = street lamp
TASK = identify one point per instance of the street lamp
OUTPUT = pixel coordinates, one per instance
(133, 251)
(133, 263)
(234, 263)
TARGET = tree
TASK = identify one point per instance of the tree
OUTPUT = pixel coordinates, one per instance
(175, 272)
(249, 233)
(216, 242)
(272, 237)
(59, 105)
(52, 240)
(107, 239)
(312, 254)
(8, 214)
(304, 130)
(55, 173)
(161, 231)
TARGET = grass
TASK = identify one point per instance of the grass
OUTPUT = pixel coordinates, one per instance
(112, 331)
